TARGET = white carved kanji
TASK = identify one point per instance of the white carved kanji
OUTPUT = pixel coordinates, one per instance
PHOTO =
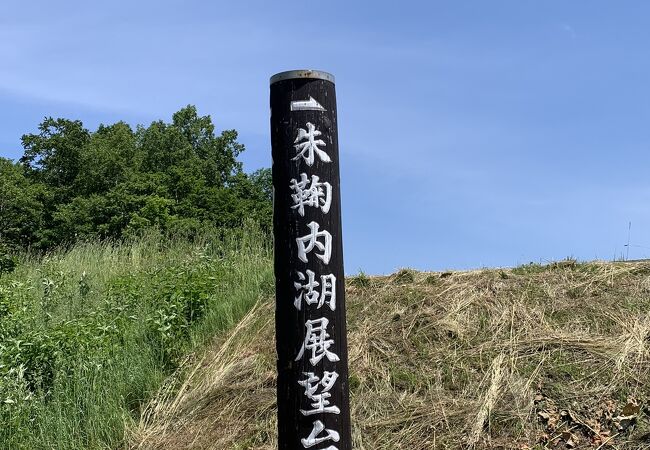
(317, 342)
(306, 150)
(320, 403)
(328, 291)
(311, 193)
(307, 292)
(314, 439)
(307, 243)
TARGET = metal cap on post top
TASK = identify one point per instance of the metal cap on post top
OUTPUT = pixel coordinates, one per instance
(303, 73)
(311, 341)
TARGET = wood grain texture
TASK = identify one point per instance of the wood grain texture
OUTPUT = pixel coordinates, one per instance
(289, 225)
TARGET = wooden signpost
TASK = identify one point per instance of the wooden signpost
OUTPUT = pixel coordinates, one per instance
(313, 404)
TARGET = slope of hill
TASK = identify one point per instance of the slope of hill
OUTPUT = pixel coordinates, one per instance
(554, 356)
(89, 333)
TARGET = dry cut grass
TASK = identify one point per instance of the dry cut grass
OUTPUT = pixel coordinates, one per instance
(554, 356)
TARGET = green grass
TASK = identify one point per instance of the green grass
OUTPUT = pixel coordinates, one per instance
(89, 334)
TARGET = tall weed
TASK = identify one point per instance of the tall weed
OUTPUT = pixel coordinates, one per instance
(87, 334)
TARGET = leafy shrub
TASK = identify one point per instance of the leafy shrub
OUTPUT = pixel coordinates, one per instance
(7, 261)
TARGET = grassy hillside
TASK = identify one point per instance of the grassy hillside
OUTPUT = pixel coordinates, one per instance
(87, 335)
(553, 356)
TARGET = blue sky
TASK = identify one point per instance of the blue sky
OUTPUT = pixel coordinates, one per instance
(472, 133)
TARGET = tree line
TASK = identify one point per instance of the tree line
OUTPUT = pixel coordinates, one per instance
(114, 182)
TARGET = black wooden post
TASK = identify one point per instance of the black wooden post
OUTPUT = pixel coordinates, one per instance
(313, 404)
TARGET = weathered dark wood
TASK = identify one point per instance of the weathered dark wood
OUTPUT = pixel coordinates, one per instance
(289, 225)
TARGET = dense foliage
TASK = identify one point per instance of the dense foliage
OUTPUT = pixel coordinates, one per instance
(121, 252)
(115, 182)
(88, 334)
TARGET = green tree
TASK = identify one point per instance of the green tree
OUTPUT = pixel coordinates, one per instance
(107, 159)
(178, 177)
(21, 206)
(53, 155)
(218, 154)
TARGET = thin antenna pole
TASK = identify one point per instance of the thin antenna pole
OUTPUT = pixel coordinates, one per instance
(629, 231)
